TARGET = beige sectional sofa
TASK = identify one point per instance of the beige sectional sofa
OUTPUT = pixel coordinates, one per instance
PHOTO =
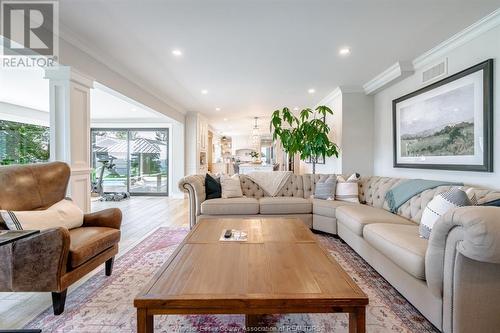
(453, 278)
(292, 200)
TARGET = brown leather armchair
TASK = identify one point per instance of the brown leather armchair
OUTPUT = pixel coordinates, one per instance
(57, 257)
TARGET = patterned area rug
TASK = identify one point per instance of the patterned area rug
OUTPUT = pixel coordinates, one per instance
(105, 304)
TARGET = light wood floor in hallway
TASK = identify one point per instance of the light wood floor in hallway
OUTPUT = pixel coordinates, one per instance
(141, 216)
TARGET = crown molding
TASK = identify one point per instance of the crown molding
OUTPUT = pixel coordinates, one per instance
(66, 73)
(351, 89)
(339, 91)
(391, 75)
(403, 69)
(478, 28)
(331, 96)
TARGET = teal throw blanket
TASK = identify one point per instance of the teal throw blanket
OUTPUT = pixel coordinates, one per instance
(403, 192)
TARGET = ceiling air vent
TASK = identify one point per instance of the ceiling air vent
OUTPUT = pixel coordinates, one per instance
(435, 72)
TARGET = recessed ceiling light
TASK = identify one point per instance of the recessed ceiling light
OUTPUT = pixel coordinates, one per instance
(296, 108)
(311, 91)
(177, 52)
(217, 109)
(345, 51)
(204, 91)
(225, 119)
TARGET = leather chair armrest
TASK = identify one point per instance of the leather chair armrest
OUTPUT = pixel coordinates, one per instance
(111, 218)
(38, 263)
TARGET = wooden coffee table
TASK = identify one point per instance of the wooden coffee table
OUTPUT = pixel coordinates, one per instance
(280, 269)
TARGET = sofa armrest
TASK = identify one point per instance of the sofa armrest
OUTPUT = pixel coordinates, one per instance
(473, 232)
(111, 218)
(194, 185)
(36, 263)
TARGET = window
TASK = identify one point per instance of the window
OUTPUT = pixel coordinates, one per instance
(134, 160)
(24, 116)
(22, 143)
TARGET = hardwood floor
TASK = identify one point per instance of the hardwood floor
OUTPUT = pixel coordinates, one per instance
(141, 216)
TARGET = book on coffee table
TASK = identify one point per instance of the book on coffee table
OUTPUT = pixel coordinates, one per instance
(236, 236)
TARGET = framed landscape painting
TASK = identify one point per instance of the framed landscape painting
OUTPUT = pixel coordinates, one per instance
(447, 125)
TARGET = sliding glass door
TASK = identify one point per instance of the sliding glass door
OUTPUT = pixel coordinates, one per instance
(134, 160)
(148, 157)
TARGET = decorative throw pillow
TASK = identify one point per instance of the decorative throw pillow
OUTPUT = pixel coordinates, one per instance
(64, 213)
(438, 206)
(347, 190)
(231, 187)
(353, 178)
(325, 190)
(472, 196)
(213, 189)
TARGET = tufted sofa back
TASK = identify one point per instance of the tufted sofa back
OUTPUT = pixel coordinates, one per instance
(250, 189)
(301, 186)
(293, 188)
(372, 192)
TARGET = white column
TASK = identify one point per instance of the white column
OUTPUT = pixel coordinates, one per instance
(70, 128)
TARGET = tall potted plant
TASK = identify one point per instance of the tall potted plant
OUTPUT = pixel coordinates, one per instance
(306, 134)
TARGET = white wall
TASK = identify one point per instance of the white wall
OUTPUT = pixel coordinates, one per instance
(474, 51)
(241, 142)
(357, 133)
(332, 164)
(176, 158)
(352, 131)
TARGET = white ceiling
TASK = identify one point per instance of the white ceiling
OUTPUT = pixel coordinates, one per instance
(256, 56)
(28, 88)
(108, 105)
(25, 87)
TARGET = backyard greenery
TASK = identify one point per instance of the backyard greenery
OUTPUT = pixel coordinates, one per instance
(306, 134)
(23, 143)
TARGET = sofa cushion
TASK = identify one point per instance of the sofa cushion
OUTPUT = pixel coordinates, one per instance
(230, 206)
(328, 207)
(87, 242)
(356, 217)
(285, 205)
(401, 244)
